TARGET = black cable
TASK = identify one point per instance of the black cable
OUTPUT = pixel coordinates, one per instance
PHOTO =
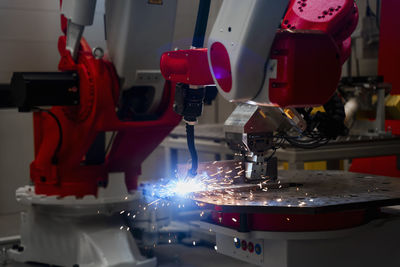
(378, 13)
(276, 147)
(201, 23)
(310, 145)
(192, 149)
(54, 159)
(272, 154)
(197, 42)
(368, 10)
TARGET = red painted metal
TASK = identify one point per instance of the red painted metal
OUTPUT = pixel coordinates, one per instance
(308, 69)
(244, 245)
(99, 92)
(250, 247)
(389, 52)
(386, 166)
(221, 66)
(312, 50)
(292, 222)
(338, 18)
(310, 53)
(186, 66)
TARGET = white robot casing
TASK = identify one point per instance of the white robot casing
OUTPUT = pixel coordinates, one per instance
(236, 50)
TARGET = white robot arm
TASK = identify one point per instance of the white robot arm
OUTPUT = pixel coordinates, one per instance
(79, 13)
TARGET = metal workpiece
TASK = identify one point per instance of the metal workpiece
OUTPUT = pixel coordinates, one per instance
(296, 192)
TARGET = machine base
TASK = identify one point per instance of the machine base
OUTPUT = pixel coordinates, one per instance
(78, 232)
(372, 244)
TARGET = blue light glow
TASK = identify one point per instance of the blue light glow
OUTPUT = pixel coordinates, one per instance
(180, 185)
(187, 186)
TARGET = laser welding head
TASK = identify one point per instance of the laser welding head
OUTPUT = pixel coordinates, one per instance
(251, 131)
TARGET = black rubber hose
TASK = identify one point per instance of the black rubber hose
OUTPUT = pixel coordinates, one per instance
(192, 149)
(197, 42)
(201, 23)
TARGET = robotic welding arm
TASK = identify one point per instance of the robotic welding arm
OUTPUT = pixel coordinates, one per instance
(284, 73)
(278, 59)
(122, 93)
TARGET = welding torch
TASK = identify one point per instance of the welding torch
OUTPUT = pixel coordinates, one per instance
(188, 98)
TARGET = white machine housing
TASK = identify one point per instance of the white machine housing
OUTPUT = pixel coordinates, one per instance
(80, 12)
(137, 34)
(368, 245)
(237, 28)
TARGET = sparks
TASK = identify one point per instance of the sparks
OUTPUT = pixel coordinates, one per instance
(181, 186)
(186, 186)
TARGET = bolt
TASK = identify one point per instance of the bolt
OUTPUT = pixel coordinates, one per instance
(98, 52)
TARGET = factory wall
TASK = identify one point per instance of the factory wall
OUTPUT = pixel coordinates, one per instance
(28, 42)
